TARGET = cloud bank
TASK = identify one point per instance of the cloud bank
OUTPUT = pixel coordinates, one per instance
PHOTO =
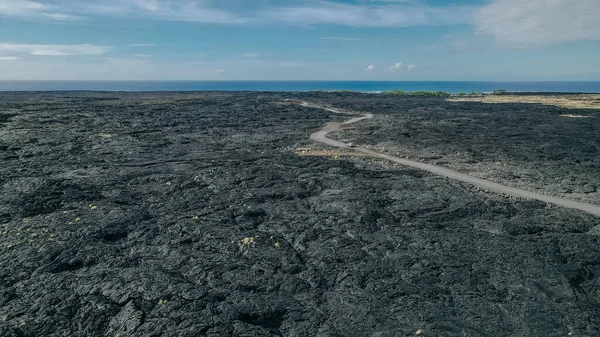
(33, 9)
(540, 21)
(509, 21)
(391, 14)
(395, 15)
(54, 50)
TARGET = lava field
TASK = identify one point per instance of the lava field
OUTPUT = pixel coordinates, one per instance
(192, 214)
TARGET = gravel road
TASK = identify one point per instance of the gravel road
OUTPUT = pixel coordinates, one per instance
(321, 137)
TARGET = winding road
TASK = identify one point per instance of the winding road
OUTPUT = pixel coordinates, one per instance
(321, 137)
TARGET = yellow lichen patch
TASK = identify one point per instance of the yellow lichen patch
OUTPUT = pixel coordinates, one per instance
(34, 235)
(92, 207)
(575, 116)
(419, 332)
(162, 301)
(277, 245)
(77, 219)
(196, 218)
(303, 150)
(105, 135)
(248, 241)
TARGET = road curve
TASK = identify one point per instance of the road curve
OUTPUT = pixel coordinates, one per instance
(321, 137)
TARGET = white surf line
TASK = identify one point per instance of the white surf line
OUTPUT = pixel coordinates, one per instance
(321, 137)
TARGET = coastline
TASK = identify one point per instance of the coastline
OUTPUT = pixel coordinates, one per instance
(453, 87)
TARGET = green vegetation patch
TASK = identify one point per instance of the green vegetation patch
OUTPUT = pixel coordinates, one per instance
(418, 93)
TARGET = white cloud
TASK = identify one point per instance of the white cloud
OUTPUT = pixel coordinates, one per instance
(21, 7)
(143, 55)
(27, 8)
(151, 5)
(395, 66)
(8, 58)
(398, 14)
(54, 50)
(220, 70)
(61, 17)
(184, 10)
(540, 21)
(370, 68)
(412, 66)
(324, 12)
(168, 10)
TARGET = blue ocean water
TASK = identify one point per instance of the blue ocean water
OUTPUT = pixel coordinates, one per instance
(294, 86)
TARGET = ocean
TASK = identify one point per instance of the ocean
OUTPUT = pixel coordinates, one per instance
(453, 87)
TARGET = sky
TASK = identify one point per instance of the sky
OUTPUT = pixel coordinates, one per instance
(401, 40)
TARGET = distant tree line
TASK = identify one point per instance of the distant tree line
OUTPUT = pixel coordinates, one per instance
(472, 93)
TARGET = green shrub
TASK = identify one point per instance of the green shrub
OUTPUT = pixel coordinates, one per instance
(417, 93)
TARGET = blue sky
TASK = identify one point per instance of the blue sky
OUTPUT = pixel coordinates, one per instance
(300, 40)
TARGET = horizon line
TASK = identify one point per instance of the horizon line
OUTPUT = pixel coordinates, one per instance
(419, 81)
